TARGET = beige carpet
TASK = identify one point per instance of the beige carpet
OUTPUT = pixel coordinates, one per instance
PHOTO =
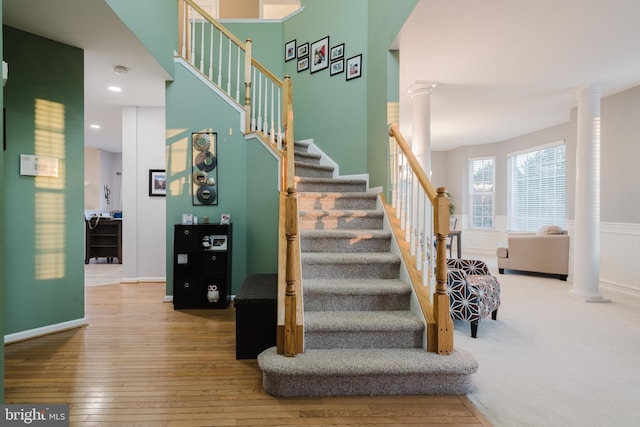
(553, 360)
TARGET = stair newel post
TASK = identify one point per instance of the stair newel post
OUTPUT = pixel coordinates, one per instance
(287, 114)
(290, 303)
(247, 84)
(441, 306)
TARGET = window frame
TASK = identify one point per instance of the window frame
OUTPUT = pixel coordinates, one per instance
(492, 194)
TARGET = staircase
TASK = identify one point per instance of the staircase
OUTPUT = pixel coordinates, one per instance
(360, 336)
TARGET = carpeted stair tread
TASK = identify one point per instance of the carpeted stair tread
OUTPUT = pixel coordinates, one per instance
(310, 258)
(356, 286)
(304, 157)
(330, 181)
(347, 361)
(363, 321)
(345, 241)
(310, 170)
(345, 234)
(336, 200)
(343, 214)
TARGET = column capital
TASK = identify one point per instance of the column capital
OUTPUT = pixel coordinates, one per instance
(422, 87)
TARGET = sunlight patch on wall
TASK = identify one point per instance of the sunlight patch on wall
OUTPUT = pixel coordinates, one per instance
(49, 201)
(178, 177)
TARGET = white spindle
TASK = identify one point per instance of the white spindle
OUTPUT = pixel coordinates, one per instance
(193, 48)
(253, 101)
(272, 137)
(185, 21)
(279, 119)
(238, 75)
(259, 121)
(202, 47)
(220, 61)
(265, 125)
(211, 54)
(229, 71)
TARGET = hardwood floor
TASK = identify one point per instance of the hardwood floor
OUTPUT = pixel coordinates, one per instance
(139, 362)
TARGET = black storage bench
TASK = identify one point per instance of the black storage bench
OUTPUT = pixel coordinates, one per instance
(256, 315)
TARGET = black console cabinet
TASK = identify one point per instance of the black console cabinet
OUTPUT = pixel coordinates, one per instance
(202, 266)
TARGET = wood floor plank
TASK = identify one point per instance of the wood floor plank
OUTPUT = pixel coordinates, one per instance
(139, 362)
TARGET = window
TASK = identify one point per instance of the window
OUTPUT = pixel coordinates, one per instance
(536, 188)
(482, 172)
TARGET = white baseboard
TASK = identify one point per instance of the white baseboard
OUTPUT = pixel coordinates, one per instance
(45, 330)
(143, 280)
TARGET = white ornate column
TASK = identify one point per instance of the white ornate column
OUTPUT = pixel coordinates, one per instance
(420, 92)
(586, 239)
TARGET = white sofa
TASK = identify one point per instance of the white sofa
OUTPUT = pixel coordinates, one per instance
(546, 251)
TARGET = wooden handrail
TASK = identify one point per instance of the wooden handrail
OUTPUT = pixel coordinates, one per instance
(440, 332)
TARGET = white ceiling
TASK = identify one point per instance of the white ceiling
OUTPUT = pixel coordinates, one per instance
(503, 68)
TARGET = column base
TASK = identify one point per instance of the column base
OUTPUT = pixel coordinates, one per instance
(589, 297)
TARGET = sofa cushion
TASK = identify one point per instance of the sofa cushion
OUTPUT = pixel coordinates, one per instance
(549, 229)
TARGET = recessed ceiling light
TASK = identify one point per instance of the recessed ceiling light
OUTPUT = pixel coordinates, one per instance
(115, 89)
(94, 126)
(120, 69)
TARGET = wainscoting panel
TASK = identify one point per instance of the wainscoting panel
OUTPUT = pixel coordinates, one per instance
(620, 258)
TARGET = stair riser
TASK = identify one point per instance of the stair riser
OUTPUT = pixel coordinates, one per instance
(306, 158)
(366, 385)
(340, 223)
(332, 202)
(344, 245)
(312, 172)
(337, 187)
(362, 339)
(350, 271)
(338, 302)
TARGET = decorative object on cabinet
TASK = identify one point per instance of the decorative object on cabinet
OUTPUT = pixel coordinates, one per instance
(204, 171)
(103, 239)
(354, 67)
(157, 182)
(202, 266)
(320, 55)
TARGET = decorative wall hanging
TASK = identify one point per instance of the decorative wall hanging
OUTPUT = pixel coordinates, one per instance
(157, 182)
(290, 50)
(204, 172)
(319, 55)
(354, 67)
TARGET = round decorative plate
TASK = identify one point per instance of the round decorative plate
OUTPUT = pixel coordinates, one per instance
(201, 141)
(206, 161)
(206, 195)
(200, 178)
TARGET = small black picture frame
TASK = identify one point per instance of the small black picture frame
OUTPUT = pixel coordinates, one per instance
(303, 64)
(290, 50)
(157, 183)
(336, 67)
(354, 67)
(303, 50)
(337, 52)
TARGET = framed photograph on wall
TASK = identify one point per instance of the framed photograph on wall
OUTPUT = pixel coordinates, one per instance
(303, 50)
(354, 67)
(303, 64)
(157, 183)
(290, 50)
(337, 67)
(337, 52)
(319, 59)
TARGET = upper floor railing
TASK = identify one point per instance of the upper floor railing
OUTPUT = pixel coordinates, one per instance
(416, 203)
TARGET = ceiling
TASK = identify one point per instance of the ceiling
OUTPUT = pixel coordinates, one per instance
(503, 68)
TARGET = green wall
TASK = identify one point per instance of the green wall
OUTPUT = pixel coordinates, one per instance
(155, 23)
(247, 177)
(266, 37)
(43, 220)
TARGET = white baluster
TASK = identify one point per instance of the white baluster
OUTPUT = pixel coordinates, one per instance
(279, 119)
(185, 22)
(211, 54)
(220, 61)
(271, 129)
(229, 71)
(193, 48)
(265, 125)
(238, 76)
(253, 101)
(202, 47)
(259, 121)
